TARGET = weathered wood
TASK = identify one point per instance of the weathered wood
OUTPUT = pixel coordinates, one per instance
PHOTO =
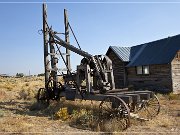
(162, 77)
(135, 97)
(158, 79)
(175, 68)
(125, 74)
(117, 90)
(45, 38)
(118, 70)
(67, 40)
(99, 97)
(54, 60)
(61, 42)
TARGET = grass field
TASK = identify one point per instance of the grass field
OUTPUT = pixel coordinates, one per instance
(19, 112)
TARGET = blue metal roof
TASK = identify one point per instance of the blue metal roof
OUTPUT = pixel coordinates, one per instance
(157, 52)
(122, 52)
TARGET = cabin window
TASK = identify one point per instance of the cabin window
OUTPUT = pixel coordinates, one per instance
(140, 70)
(146, 70)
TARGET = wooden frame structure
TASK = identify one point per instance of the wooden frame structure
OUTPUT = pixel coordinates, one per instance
(97, 73)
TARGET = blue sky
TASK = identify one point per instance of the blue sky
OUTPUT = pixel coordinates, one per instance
(96, 25)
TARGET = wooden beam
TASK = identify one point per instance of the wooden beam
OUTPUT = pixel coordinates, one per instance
(67, 40)
(54, 60)
(45, 38)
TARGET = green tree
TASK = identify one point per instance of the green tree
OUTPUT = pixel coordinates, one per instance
(19, 75)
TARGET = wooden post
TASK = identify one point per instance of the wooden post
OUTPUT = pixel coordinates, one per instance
(45, 37)
(67, 40)
(88, 79)
(112, 78)
(54, 60)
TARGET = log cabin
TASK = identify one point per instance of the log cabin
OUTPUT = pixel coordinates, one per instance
(154, 66)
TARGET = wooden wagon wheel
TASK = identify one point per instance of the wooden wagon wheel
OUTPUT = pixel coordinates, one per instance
(42, 96)
(148, 109)
(114, 114)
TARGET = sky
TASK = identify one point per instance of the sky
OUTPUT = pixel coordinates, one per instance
(97, 25)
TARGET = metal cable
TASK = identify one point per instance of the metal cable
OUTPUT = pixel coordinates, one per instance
(74, 35)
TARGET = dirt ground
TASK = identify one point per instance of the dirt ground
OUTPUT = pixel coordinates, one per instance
(19, 115)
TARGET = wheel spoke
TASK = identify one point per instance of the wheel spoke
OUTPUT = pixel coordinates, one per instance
(106, 109)
(117, 110)
(149, 108)
(41, 96)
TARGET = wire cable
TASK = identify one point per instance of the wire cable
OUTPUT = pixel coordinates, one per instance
(74, 35)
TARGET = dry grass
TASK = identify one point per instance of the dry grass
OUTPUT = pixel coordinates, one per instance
(172, 96)
(23, 88)
(167, 122)
(163, 121)
(1, 113)
(19, 111)
(79, 114)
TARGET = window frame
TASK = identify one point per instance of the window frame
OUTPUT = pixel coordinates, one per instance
(142, 70)
(137, 67)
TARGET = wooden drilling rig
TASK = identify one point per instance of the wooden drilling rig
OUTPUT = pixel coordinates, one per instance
(97, 73)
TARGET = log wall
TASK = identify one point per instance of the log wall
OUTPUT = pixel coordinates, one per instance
(118, 70)
(159, 78)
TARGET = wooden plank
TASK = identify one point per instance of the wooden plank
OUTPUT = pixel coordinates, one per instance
(175, 67)
(99, 97)
(135, 97)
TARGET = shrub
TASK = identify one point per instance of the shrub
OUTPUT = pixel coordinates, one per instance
(27, 94)
(1, 113)
(174, 96)
(62, 114)
(19, 75)
(42, 74)
(38, 106)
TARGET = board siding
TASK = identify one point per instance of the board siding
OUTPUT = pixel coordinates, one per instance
(118, 70)
(175, 68)
(159, 78)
